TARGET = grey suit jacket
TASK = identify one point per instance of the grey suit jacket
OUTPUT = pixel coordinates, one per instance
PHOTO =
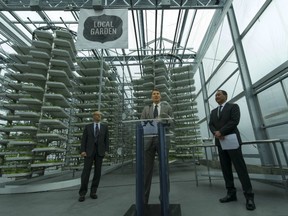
(227, 122)
(165, 109)
(88, 140)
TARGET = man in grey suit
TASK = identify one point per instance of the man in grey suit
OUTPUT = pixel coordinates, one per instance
(151, 144)
(223, 121)
(94, 144)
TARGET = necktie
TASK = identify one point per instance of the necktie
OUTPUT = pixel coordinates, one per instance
(155, 111)
(219, 111)
(96, 132)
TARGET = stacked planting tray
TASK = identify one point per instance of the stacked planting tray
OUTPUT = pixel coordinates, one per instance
(185, 112)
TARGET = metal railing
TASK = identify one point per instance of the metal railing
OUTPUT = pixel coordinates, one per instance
(278, 146)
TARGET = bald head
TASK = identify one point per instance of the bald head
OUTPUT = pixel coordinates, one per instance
(97, 116)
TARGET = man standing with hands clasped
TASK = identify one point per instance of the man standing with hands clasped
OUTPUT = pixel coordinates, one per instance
(94, 144)
(223, 124)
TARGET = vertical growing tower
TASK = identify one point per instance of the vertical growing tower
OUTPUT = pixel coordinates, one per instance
(177, 88)
(185, 111)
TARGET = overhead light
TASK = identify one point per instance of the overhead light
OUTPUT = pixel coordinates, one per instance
(97, 4)
(35, 5)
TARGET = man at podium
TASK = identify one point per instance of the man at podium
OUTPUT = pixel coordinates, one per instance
(151, 143)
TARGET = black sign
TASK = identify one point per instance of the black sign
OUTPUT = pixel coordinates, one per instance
(103, 28)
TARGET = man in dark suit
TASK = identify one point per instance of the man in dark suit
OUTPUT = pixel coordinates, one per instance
(151, 144)
(223, 121)
(94, 144)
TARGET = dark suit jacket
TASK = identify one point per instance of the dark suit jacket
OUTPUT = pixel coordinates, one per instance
(88, 140)
(227, 122)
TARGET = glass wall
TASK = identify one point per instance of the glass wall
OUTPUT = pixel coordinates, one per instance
(266, 43)
(274, 106)
(245, 11)
(218, 49)
(245, 124)
(226, 78)
(250, 152)
(265, 47)
(200, 106)
(197, 83)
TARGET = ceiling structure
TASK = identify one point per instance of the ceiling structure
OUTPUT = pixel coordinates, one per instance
(177, 31)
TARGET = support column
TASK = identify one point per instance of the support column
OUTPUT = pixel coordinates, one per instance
(265, 151)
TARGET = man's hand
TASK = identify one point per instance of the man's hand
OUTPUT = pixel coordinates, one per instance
(83, 154)
(218, 135)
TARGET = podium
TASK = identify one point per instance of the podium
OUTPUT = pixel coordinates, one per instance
(149, 128)
(155, 210)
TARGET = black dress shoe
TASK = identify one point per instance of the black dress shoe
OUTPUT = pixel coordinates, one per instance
(93, 196)
(228, 198)
(250, 205)
(81, 198)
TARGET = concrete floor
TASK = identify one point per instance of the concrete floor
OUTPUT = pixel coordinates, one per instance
(116, 194)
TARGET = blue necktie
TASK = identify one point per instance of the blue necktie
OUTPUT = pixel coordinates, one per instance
(96, 131)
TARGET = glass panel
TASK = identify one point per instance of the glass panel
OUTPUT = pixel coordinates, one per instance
(273, 105)
(208, 65)
(245, 125)
(245, 11)
(197, 81)
(32, 15)
(222, 74)
(56, 16)
(212, 102)
(285, 84)
(246, 132)
(264, 48)
(204, 130)
(233, 85)
(7, 48)
(219, 47)
(24, 30)
(8, 16)
(200, 107)
(280, 132)
(200, 25)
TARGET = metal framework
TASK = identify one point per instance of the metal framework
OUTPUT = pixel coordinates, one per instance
(136, 6)
(14, 5)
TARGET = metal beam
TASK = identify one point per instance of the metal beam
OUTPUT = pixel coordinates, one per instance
(12, 32)
(25, 5)
(211, 32)
(135, 58)
(254, 109)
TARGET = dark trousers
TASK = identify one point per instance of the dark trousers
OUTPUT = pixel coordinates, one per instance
(151, 146)
(235, 157)
(88, 162)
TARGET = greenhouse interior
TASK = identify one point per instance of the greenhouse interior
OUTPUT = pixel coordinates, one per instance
(53, 77)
